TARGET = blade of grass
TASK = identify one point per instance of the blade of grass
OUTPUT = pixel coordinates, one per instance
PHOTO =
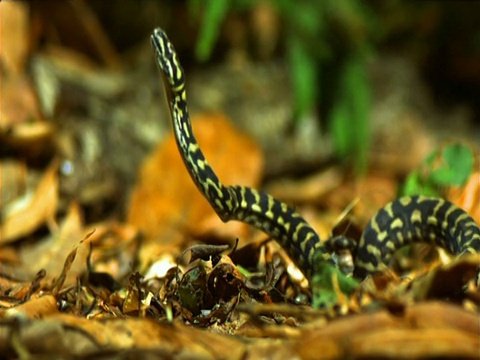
(350, 114)
(214, 13)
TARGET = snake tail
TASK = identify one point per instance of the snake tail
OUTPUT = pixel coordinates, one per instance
(415, 219)
(401, 222)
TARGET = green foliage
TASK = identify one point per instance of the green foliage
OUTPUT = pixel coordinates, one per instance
(214, 13)
(304, 72)
(350, 113)
(451, 166)
(326, 44)
(328, 283)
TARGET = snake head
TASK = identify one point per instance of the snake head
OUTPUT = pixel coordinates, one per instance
(167, 61)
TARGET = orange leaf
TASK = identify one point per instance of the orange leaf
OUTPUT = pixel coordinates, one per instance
(14, 26)
(468, 197)
(39, 210)
(166, 197)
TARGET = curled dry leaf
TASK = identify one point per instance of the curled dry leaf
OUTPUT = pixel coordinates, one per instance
(15, 290)
(204, 251)
(424, 330)
(34, 308)
(31, 139)
(67, 336)
(115, 247)
(14, 27)
(447, 281)
(38, 211)
(19, 107)
(52, 254)
(468, 197)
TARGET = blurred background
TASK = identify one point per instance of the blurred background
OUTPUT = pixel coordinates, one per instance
(372, 86)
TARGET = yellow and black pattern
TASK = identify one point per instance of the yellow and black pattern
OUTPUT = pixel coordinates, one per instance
(402, 221)
(241, 203)
(415, 219)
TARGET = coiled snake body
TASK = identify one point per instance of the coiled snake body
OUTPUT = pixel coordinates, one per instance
(402, 221)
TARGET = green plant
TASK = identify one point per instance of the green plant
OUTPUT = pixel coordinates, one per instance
(326, 44)
(450, 166)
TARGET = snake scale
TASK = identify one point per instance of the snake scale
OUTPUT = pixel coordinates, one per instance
(400, 222)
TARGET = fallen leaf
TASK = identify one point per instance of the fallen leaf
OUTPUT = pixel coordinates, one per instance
(468, 197)
(65, 334)
(77, 26)
(52, 253)
(34, 308)
(32, 139)
(14, 27)
(19, 103)
(447, 281)
(39, 210)
(425, 330)
(13, 180)
(166, 198)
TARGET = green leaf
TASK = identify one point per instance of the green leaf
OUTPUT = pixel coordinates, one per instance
(456, 166)
(194, 7)
(430, 158)
(414, 185)
(324, 285)
(351, 112)
(192, 289)
(214, 12)
(451, 166)
(304, 75)
(339, 126)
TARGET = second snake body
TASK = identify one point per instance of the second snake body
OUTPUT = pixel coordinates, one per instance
(398, 223)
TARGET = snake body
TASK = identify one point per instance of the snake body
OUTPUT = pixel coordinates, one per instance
(402, 221)
(415, 219)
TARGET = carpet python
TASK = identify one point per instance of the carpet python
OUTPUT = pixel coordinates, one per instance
(402, 221)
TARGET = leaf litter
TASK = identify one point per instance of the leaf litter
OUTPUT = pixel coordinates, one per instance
(147, 287)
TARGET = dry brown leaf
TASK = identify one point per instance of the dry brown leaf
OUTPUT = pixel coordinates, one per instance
(165, 197)
(34, 308)
(9, 255)
(16, 289)
(448, 280)
(32, 139)
(425, 330)
(307, 189)
(19, 103)
(211, 227)
(372, 192)
(111, 233)
(398, 152)
(414, 344)
(468, 197)
(14, 27)
(78, 27)
(437, 314)
(51, 254)
(280, 349)
(13, 180)
(70, 335)
(37, 212)
(115, 246)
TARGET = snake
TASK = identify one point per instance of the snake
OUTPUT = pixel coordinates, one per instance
(400, 222)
